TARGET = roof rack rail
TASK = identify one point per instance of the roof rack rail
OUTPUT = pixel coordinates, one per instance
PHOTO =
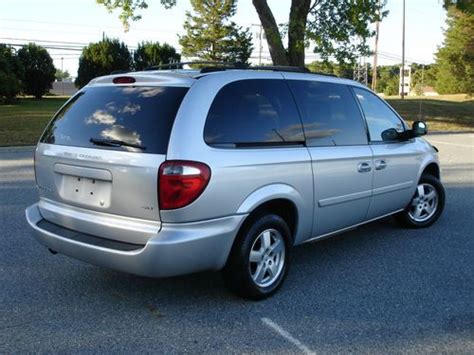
(179, 65)
(289, 69)
(210, 66)
(278, 68)
(286, 68)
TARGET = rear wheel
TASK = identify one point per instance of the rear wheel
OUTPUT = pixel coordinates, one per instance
(426, 205)
(259, 259)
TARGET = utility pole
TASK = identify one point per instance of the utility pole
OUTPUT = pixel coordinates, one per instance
(365, 73)
(403, 53)
(62, 73)
(260, 45)
(374, 69)
(422, 85)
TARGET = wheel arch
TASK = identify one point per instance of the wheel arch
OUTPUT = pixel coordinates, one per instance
(433, 169)
(281, 199)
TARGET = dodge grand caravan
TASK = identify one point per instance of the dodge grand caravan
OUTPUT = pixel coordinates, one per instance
(168, 172)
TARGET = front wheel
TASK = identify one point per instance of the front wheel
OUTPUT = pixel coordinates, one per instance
(260, 257)
(426, 205)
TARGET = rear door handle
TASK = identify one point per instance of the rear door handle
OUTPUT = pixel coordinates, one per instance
(364, 167)
(380, 164)
(80, 171)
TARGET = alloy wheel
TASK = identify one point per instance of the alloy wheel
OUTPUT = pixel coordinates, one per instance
(424, 204)
(267, 257)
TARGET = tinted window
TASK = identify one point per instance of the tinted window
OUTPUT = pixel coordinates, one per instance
(253, 112)
(330, 113)
(136, 115)
(378, 115)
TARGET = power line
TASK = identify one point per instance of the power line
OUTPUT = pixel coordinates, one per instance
(43, 40)
(47, 47)
(101, 28)
(53, 45)
(396, 56)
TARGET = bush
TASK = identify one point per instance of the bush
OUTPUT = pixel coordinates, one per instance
(39, 71)
(102, 58)
(153, 53)
(11, 71)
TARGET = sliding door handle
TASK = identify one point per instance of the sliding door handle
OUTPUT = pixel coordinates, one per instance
(364, 167)
(380, 164)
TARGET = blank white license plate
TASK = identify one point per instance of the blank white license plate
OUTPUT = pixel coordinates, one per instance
(86, 191)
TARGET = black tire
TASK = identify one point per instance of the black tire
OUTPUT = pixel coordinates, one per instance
(238, 270)
(406, 220)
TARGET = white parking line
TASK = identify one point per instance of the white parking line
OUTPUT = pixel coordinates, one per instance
(455, 144)
(268, 322)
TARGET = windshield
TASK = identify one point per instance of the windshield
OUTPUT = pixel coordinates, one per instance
(135, 115)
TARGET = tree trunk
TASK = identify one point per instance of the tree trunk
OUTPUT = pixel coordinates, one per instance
(275, 44)
(296, 31)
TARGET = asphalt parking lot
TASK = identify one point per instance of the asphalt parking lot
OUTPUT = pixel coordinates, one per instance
(377, 289)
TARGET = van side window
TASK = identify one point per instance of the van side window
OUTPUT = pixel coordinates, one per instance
(329, 112)
(253, 112)
(378, 115)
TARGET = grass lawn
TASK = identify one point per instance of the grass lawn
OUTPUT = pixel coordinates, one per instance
(23, 122)
(443, 113)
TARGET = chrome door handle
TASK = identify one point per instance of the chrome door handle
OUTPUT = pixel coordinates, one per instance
(380, 164)
(364, 167)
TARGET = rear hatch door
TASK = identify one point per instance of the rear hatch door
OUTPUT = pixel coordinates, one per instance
(103, 149)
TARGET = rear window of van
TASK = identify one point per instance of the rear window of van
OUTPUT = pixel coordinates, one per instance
(137, 116)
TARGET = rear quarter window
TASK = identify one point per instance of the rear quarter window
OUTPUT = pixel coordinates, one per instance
(133, 114)
(254, 112)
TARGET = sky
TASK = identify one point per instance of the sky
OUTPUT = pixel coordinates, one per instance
(80, 22)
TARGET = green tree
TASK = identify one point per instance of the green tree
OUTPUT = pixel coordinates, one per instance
(340, 28)
(153, 53)
(210, 35)
(39, 70)
(422, 76)
(388, 78)
(455, 59)
(62, 75)
(463, 5)
(327, 67)
(102, 58)
(11, 71)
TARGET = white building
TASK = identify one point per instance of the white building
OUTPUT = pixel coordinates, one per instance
(406, 75)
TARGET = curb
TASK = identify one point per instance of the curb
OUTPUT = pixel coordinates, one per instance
(448, 132)
(17, 149)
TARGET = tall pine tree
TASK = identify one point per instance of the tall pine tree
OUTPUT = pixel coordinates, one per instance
(211, 35)
(455, 59)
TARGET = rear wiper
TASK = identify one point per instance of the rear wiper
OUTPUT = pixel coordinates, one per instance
(115, 143)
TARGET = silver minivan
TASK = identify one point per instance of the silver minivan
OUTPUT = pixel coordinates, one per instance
(168, 172)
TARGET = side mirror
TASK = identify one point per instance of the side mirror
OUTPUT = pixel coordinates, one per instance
(419, 128)
(390, 134)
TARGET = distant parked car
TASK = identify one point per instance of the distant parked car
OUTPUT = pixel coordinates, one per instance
(163, 173)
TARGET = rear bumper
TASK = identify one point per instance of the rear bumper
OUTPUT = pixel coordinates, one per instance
(177, 249)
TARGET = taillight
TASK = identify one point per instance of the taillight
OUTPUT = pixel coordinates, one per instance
(181, 182)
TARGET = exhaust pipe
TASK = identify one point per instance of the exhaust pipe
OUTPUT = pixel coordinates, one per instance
(54, 252)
